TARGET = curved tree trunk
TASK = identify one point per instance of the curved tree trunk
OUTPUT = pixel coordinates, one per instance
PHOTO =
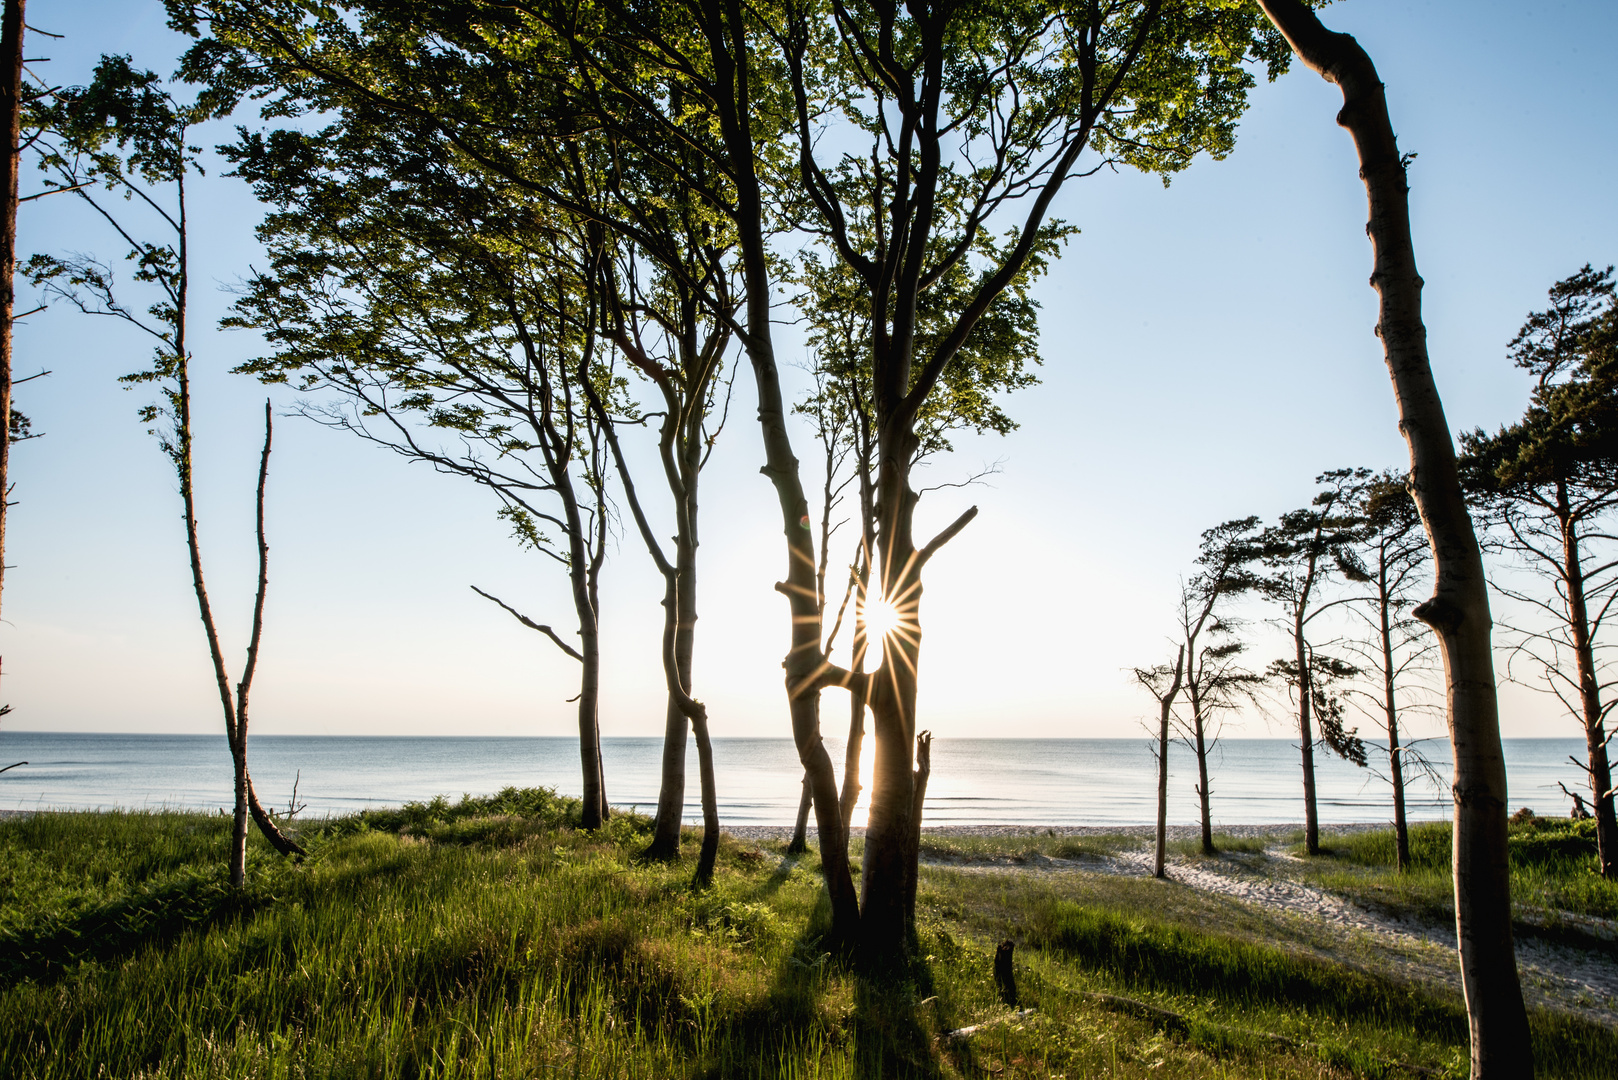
(1459, 608)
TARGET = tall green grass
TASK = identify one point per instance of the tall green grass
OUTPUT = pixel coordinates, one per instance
(1553, 869)
(490, 938)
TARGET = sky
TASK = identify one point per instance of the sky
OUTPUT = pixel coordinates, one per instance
(1208, 350)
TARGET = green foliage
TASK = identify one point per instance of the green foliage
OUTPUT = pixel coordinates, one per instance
(485, 937)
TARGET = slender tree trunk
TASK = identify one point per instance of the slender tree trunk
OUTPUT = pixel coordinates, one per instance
(11, 62)
(800, 827)
(1401, 831)
(671, 788)
(1578, 621)
(1162, 795)
(1166, 707)
(858, 695)
(1306, 736)
(803, 663)
(593, 810)
(1204, 793)
(918, 787)
(1459, 608)
(709, 851)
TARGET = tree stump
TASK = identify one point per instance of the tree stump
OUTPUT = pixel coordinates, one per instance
(1005, 978)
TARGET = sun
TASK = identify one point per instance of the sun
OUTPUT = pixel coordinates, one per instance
(881, 617)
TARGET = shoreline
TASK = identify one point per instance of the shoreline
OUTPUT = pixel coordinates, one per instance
(997, 829)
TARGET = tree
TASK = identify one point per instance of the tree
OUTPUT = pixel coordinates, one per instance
(1300, 551)
(1388, 560)
(1214, 680)
(956, 127)
(437, 304)
(1163, 683)
(125, 133)
(503, 80)
(1458, 610)
(1548, 485)
(509, 85)
(663, 333)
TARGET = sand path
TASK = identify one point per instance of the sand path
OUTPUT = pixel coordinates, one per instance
(1558, 976)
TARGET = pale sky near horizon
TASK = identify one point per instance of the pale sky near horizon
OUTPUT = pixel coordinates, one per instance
(1208, 350)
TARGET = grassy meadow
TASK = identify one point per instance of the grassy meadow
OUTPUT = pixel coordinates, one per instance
(489, 938)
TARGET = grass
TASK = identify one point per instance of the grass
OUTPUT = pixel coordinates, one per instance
(490, 938)
(1554, 871)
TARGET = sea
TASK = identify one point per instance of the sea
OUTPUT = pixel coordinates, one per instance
(1034, 782)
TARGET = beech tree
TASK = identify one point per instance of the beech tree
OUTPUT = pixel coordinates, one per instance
(124, 134)
(1022, 88)
(454, 320)
(1388, 561)
(1458, 610)
(1300, 551)
(1548, 486)
(957, 128)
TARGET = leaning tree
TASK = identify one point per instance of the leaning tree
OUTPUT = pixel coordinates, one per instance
(1458, 610)
(1548, 486)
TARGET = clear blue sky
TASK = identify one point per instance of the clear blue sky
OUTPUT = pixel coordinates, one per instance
(1208, 351)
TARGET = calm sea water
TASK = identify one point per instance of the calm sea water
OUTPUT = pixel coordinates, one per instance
(974, 781)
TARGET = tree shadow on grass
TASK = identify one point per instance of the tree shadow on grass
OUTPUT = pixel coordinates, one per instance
(887, 1032)
(110, 931)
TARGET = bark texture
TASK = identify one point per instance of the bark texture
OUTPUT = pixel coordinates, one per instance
(1459, 608)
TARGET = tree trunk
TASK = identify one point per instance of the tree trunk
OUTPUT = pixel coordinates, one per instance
(1401, 831)
(11, 63)
(1459, 608)
(803, 663)
(239, 819)
(1162, 795)
(1306, 736)
(1204, 794)
(710, 802)
(889, 863)
(593, 808)
(918, 787)
(1166, 706)
(671, 788)
(800, 828)
(1578, 621)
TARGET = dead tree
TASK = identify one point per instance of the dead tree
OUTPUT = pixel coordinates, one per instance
(1459, 608)
(124, 133)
